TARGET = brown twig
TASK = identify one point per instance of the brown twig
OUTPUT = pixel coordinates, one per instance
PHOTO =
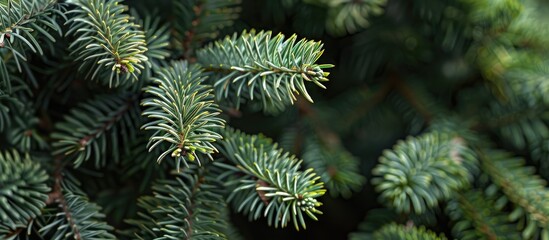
(190, 34)
(16, 231)
(261, 193)
(85, 140)
(56, 196)
(233, 112)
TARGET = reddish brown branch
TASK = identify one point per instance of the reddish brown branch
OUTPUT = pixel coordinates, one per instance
(233, 112)
(68, 216)
(83, 142)
(191, 33)
(56, 196)
(261, 193)
(15, 232)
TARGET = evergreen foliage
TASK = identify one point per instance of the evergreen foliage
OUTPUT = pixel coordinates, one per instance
(24, 189)
(422, 171)
(270, 68)
(338, 167)
(155, 119)
(79, 218)
(184, 112)
(106, 39)
(200, 21)
(187, 207)
(477, 218)
(270, 183)
(94, 126)
(394, 231)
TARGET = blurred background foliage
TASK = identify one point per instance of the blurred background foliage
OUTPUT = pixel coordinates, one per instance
(400, 68)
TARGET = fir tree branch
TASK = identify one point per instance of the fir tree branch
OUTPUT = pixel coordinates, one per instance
(396, 231)
(113, 119)
(20, 18)
(57, 197)
(256, 65)
(24, 24)
(188, 207)
(473, 210)
(518, 122)
(23, 189)
(107, 41)
(349, 16)
(189, 219)
(184, 114)
(14, 233)
(199, 21)
(338, 168)
(420, 172)
(157, 38)
(518, 183)
(55, 194)
(266, 181)
(79, 218)
(84, 131)
(22, 132)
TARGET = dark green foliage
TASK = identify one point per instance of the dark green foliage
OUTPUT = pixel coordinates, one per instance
(156, 37)
(374, 220)
(478, 218)
(200, 21)
(395, 232)
(339, 168)
(23, 133)
(23, 191)
(521, 124)
(104, 122)
(381, 218)
(420, 172)
(349, 16)
(271, 69)
(271, 183)
(184, 114)
(321, 151)
(23, 24)
(493, 14)
(187, 207)
(75, 217)
(140, 162)
(520, 185)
